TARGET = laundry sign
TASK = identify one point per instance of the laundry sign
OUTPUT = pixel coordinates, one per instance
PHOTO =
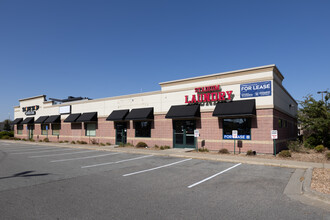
(256, 89)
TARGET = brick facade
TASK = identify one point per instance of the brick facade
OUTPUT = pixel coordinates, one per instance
(210, 128)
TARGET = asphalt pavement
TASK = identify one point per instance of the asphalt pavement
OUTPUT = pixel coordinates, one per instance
(57, 181)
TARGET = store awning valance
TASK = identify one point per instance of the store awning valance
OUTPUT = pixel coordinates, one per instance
(118, 115)
(17, 121)
(140, 114)
(28, 120)
(184, 111)
(72, 117)
(53, 119)
(88, 117)
(246, 108)
(41, 119)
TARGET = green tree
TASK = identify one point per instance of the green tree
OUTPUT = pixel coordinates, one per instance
(6, 125)
(314, 117)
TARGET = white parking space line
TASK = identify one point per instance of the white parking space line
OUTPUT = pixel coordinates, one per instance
(81, 158)
(120, 161)
(155, 168)
(51, 155)
(45, 151)
(206, 179)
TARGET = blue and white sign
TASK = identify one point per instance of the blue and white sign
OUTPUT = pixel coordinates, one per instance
(239, 137)
(256, 89)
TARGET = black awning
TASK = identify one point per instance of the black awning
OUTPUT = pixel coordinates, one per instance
(41, 120)
(53, 119)
(141, 114)
(184, 111)
(28, 120)
(17, 121)
(118, 115)
(245, 108)
(72, 117)
(87, 117)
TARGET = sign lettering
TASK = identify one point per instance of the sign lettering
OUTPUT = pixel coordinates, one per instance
(209, 94)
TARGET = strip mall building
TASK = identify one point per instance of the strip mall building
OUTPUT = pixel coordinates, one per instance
(252, 102)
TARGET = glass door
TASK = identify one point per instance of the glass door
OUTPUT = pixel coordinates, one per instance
(183, 133)
(121, 132)
(30, 131)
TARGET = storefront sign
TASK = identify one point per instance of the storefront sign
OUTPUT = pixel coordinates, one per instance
(209, 94)
(65, 109)
(30, 110)
(256, 89)
(240, 137)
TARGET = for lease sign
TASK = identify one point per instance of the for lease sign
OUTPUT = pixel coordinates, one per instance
(256, 89)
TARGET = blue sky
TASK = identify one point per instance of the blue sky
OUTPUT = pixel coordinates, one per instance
(107, 48)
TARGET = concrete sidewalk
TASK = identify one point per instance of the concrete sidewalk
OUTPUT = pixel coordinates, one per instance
(302, 176)
(190, 153)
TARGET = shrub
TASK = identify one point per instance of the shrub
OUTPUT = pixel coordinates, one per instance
(24, 139)
(294, 146)
(32, 140)
(60, 142)
(78, 142)
(94, 141)
(17, 139)
(5, 137)
(40, 140)
(73, 142)
(285, 153)
(66, 141)
(164, 147)
(6, 133)
(108, 143)
(156, 146)
(319, 148)
(141, 144)
(102, 144)
(203, 149)
(223, 151)
(327, 155)
(250, 153)
(83, 142)
(46, 140)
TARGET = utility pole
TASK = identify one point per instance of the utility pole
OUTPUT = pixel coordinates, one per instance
(322, 93)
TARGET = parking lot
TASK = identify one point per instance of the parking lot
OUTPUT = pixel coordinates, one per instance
(59, 182)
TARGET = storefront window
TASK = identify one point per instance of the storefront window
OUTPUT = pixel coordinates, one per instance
(56, 129)
(90, 129)
(242, 125)
(44, 129)
(19, 129)
(280, 123)
(142, 129)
